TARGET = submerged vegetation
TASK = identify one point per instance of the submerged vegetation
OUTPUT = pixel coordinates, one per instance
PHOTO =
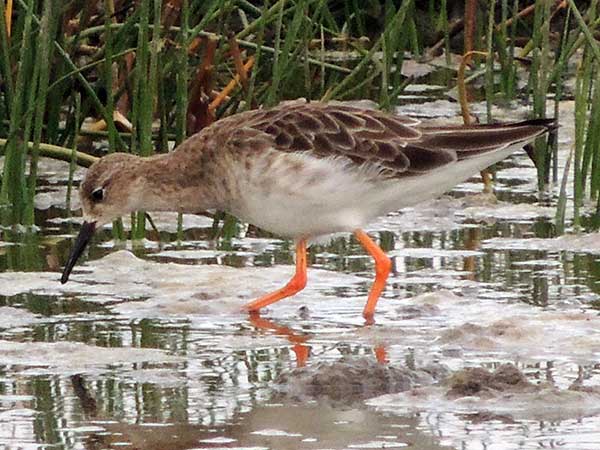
(140, 76)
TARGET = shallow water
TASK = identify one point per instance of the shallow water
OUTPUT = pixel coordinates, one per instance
(146, 346)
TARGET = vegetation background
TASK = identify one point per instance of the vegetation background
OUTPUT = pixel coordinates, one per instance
(82, 78)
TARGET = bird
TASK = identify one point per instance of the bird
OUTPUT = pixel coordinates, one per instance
(302, 170)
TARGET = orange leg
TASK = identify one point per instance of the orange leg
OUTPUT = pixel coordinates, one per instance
(383, 265)
(296, 284)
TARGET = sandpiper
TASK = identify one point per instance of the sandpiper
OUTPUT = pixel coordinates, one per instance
(301, 170)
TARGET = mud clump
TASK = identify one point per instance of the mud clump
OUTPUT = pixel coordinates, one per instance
(483, 383)
(514, 332)
(352, 380)
(416, 311)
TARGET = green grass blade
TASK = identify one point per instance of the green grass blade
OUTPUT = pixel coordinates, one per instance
(44, 53)
(13, 189)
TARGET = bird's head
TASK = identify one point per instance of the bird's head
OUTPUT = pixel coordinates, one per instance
(112, 187)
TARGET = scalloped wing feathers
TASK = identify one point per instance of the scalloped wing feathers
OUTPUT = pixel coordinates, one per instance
(399, 145)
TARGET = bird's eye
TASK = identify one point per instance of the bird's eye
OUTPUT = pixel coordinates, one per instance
(98, 195)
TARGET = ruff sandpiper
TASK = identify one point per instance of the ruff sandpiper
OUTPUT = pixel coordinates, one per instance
(301, 170)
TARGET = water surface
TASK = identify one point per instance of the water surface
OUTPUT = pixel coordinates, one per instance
(146, 346)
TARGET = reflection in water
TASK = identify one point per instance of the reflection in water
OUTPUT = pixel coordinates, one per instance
(144, 408)
(264, 425)
(297, 427)
(21, 250)
(299, 346)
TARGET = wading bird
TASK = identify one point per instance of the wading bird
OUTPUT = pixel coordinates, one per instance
(301, 170)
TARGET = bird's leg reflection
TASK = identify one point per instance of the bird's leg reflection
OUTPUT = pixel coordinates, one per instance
(301, 350)
(299, 347)
(381, 354)
(472, 242)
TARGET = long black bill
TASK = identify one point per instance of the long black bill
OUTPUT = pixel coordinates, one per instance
(84, 236)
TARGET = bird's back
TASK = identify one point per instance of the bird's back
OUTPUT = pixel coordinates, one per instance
(400, 146)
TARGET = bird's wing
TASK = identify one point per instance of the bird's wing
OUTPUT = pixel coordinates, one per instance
(400, 145)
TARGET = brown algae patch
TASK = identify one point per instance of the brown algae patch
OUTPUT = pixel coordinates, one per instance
(353, 379)
(504, 392)
(483, 383)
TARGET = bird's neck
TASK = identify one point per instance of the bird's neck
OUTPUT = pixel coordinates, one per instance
(173, 183)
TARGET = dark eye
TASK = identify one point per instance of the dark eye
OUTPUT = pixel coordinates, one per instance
(98, 195)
